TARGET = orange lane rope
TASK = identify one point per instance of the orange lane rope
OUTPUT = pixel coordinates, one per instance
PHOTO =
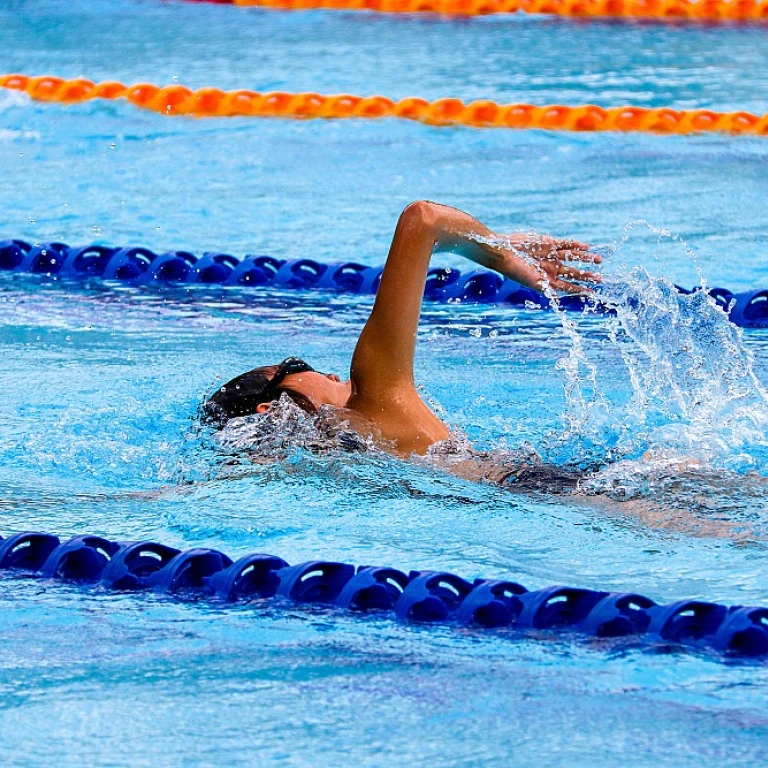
(213, 102)
(703, 10)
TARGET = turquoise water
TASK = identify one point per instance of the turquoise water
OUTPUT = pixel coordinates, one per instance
(98, 430)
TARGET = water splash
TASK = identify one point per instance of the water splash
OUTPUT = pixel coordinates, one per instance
(308, 459)
(285, 428)
(670, 388)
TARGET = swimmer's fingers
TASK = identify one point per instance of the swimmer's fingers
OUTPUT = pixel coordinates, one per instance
(547, 248)
(563, 257)
(561, 270)
(585, 257)
(581, 275)
(569, 245)
(572, 250)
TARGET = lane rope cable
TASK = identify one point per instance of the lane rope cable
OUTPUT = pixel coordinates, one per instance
(139, 266)
(483, 113)
(419, 596)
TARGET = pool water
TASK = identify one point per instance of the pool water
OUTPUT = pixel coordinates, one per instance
(98, 428)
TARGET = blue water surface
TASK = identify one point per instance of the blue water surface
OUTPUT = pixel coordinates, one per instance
(98, 428)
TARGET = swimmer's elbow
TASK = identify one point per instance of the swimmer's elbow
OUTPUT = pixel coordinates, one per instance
(446, 227)
(420, 214)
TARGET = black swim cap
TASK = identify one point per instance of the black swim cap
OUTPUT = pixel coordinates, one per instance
(243, 394)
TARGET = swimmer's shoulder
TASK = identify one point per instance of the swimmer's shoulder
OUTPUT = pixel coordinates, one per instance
(404, 423)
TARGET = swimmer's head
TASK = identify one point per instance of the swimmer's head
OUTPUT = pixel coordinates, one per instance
(256, 390)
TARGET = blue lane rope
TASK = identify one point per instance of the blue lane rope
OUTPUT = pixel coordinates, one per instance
(140, 266)
(419, 596)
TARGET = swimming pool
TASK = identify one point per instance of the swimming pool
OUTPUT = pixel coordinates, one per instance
(97, 427)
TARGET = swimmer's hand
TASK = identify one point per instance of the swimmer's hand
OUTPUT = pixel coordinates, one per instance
(543, 262)
(540, 262)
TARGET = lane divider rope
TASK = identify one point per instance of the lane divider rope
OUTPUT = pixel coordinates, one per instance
(691, 10)
(419, 596)
(142, 267)
(214, 102)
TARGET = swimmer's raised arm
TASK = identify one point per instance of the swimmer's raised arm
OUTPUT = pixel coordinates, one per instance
(382, 364)
(388, 341)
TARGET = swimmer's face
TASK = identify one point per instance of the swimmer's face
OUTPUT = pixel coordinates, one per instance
(319, 388)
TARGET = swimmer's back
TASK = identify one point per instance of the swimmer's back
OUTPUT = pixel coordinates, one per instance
(520, 470)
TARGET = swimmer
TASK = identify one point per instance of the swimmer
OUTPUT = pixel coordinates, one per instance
(380, 400)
